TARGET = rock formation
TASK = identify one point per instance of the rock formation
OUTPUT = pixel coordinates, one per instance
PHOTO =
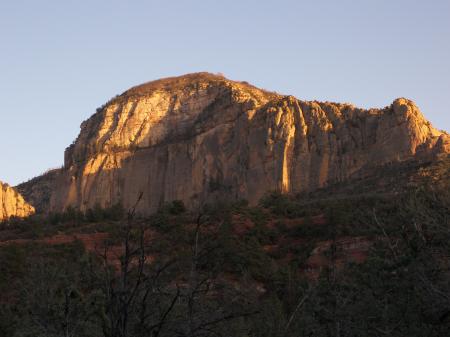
(12, 203)
(200, 136)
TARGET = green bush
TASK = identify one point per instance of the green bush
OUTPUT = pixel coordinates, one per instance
(282, 205)
(176, 207)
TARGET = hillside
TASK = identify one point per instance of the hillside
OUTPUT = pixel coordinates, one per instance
(291, 266)
(197, 206)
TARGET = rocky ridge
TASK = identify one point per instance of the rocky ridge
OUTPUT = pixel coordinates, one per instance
(12, 203)
(202, 137)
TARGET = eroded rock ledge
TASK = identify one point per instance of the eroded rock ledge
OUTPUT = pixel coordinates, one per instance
(12, 203)
(200, 136)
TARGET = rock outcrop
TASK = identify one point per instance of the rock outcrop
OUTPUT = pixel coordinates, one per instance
(200, 137)
(12, 203)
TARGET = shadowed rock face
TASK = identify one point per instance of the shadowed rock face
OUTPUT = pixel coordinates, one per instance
(200, 137)
(12, 203)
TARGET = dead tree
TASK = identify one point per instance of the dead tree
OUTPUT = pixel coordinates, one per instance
(131, 289)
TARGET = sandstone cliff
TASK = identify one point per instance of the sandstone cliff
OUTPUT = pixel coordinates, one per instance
(12, 203)
(199, 137)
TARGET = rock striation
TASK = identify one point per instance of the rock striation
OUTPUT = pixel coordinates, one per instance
(200, 137)
(12, 203)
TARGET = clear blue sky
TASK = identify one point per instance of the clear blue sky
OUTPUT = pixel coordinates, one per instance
(60, 60)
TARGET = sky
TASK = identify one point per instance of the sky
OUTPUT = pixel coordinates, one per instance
(60, 60)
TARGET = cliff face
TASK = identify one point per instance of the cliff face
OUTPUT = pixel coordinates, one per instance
(12, 203)
(199, 137)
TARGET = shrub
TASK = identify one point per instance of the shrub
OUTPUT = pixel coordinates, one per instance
(282, 205)
(176, 207)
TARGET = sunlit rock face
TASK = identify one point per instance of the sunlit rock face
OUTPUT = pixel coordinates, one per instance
(200, 137)
(12, 203)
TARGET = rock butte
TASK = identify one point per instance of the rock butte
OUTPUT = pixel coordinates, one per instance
(12, 203)
(201, 137)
